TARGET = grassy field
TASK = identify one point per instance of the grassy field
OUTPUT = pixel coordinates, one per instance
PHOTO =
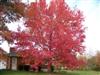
(41, 73)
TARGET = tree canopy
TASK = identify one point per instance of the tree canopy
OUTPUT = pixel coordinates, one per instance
(54, 34)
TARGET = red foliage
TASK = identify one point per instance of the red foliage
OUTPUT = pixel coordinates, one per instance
(56, 34)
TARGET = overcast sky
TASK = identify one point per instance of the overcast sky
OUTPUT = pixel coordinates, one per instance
(91, 12)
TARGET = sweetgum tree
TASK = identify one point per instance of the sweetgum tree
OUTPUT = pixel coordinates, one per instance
(54, 34)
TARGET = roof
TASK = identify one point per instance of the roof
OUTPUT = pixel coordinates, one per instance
(2, 51)
(13, 53)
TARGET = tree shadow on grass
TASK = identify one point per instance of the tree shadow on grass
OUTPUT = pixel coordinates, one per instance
(65, 73)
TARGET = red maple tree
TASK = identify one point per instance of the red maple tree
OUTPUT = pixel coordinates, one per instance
(54, 34)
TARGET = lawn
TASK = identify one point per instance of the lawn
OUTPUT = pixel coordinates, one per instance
(41, 73)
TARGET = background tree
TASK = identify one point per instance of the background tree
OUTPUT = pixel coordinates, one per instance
(10, 11)
(82, 61)
(94, 62)
(97, 57)
(54, 31)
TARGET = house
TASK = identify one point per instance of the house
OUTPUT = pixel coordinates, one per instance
(9, 60)
(13, 60)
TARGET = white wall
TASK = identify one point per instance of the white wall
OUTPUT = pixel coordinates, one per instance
(14, 63)
(3, 64)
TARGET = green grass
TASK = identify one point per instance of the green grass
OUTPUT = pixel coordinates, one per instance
(42, 73)
(83, 73)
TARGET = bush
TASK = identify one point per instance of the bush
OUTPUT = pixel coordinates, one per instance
(97, 68)
(52, 68)
(24, 67)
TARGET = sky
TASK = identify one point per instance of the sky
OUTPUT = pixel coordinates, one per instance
(91, 12)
